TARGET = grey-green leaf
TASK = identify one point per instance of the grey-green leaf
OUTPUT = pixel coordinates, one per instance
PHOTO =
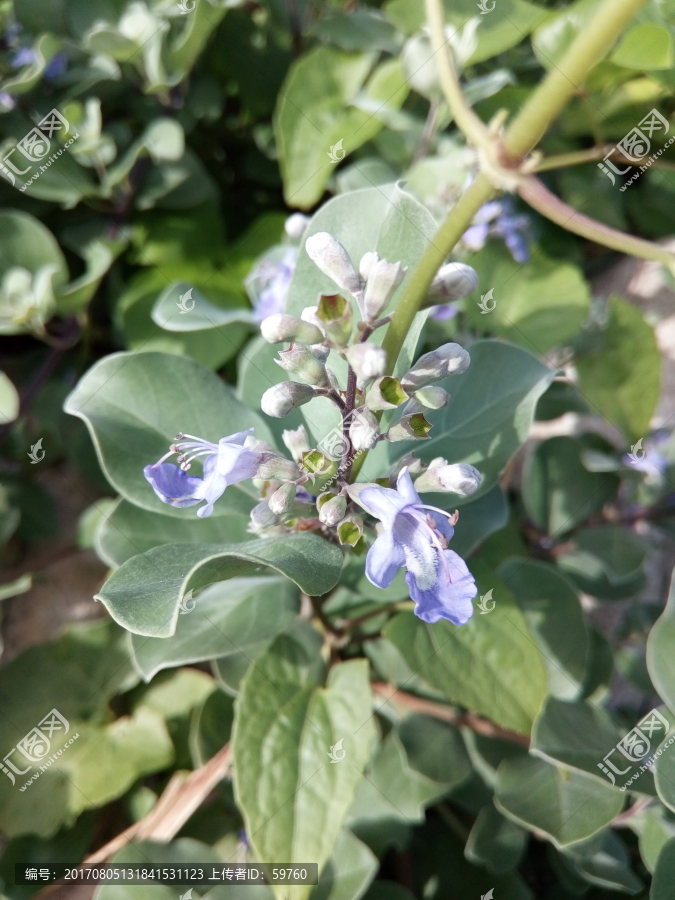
(294, 798)
(145, 593)
(566, 804)
(241, 616)
(134, 404)
(491, 665)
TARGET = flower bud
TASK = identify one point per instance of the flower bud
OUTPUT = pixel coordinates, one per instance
(300, 361)
(314, 462)
(282, 499)
(333, 260)
(450, 359)
(415, 428)
(383, 279)
(350, 530)
(385, 393)
(262, 517)
(279, 400)
(296, 441)
(432, 397)
(281, 328)
(368, 260)
(331, 508)
(414, 466)
(368, 360)
(273, 466)
(453, 282)
(296, 225)
(334, 318)
(457, 479)
(364, 429)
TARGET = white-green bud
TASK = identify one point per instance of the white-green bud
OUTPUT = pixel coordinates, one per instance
(410, 428)
(457, 479)
(280, 328)
(333, 260)
(333, 316)
(368, 260)
(385, 393)
(383, 279)
(368, 360)
(332, 508)
(272, 466)
(282, 499)
(296, 225)
(453, 282)
(350, 530)
(432, 397)
(300, 361)
(364, 429)
(262, 517)
(450, 359)
(279, 400)
(296, 441)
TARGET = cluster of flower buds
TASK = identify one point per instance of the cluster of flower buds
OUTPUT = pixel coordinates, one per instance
(342, 323)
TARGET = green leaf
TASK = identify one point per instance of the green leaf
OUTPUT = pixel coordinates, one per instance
(507, 681)
(479, 519)
(134, 404)
(104, 762)
(98, 256)
(622, 379)
(488, 417)
(495, 842)
(201, 315)
(9, 400)
(26, 242)
(509, 22)
(644, 47)
(567, 805)
(604, 861)
(184, 851)
(293, 797)
(558, 491)
(242, 615)
(435, 749)
(553, 612)
(663, 882)
(210, 727)
(606, 562)
(145, 593)
(578, 735)
(210, 347)
(655, 827)
(660, 658)
(128, 530)
(326, 102)
(348, 872)
(664, 772)
(539, 305)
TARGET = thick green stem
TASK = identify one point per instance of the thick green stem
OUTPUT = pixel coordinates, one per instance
(567, 76)
(544, 105)
(433, 257)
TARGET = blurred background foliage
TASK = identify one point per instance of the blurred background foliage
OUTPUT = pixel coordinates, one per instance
(200, 129)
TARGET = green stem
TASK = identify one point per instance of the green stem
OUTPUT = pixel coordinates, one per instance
(433, 257)
(544, 105)
(540, 198)
(568, 75)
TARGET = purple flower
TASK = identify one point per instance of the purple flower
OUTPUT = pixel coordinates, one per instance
(416, 536)
(225, 463)
(24, 56)
(269, 281)
(56, 66)
(498, 218)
